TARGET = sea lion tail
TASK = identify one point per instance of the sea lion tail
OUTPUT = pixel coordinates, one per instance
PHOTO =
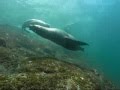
(82, 43)
(78, 45)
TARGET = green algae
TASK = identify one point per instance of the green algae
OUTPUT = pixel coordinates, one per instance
(49, 74)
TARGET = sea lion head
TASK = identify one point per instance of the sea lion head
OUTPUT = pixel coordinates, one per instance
(30, 22)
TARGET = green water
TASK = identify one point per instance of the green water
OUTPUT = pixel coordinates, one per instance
(93, 21)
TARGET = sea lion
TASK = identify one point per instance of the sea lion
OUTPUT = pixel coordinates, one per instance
(34, 22)
(59, 37)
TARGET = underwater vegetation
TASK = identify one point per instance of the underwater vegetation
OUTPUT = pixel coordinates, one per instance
(26, 64)
(50, 74)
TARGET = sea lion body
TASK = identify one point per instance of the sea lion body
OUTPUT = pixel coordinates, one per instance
(34, 22)
(59, 37)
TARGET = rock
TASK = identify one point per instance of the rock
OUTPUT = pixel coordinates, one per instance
(2, 42)
(8, 60)
(49, 73)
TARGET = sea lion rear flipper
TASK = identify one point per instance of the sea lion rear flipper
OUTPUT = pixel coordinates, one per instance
(81, 48)
(75, 42)
(82, 43)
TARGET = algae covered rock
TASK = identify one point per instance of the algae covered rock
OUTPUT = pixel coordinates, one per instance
(2, 42)
(8, 60)
(50, 74)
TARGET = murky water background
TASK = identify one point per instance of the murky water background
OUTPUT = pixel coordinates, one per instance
(92, 21)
